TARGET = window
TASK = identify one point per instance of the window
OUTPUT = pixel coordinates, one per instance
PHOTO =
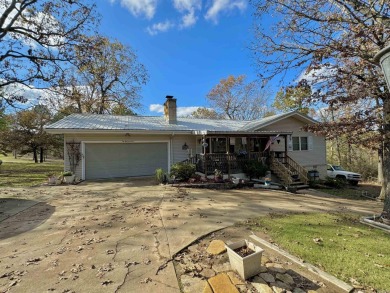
(304, 144)
(300, 143)
(295, 142)
(255, 144)
(218, 145)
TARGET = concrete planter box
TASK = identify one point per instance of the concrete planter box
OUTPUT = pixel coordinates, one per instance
(247, 266)
(69, 179)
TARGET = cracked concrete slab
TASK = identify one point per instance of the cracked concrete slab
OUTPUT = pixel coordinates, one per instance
(119, 236)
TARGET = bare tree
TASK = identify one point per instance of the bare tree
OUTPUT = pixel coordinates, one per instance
(106, 78)
(236, 99)
(334, 42)
(205, 113)
(37, 40)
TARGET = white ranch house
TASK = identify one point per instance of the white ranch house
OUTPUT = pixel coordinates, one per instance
(109, 146)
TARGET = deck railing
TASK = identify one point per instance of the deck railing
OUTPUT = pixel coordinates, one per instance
(282, 165)
(227, 163)
(286, 168)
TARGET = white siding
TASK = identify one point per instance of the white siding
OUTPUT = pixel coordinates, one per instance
(176, 142)
(315, 158)
(178, 154)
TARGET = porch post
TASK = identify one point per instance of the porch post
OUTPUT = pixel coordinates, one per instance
(285, 145)
(228, 154)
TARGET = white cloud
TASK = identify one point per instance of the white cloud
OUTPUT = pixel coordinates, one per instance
(188, 8)
(317, 75)
(160, 27)
(181, 111)
(145, 8)
(187, 5)
(220, 6)
(185, 111)
(156, 108)
(189, 19)
(32, 95)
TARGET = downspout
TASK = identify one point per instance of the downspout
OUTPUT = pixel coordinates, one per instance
(228, 154)
(205, 157)
(171, 149)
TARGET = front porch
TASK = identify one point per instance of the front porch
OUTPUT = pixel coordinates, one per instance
(286, 169)
(227, 163)
(230, 154)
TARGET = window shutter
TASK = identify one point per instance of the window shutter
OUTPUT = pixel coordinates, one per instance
(310, 143)
(289, 143)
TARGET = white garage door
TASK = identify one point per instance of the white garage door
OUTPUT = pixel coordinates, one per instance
(110, 160)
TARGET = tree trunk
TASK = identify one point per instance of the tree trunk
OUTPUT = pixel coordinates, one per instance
(41, 155)
(337, 142)
(380, 173)
(380, 165)
(35, 155)
(386, 155)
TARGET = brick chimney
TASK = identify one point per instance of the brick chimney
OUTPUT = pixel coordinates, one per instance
(170, 110)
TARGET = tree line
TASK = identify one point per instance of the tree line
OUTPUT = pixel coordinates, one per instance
(328, 44)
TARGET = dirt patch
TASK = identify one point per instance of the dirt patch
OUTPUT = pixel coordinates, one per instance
(194, 266)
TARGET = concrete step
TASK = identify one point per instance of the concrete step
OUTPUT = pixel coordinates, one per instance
(299, 186)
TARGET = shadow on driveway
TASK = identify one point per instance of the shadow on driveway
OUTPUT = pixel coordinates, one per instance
(121, 182)
(20, 215)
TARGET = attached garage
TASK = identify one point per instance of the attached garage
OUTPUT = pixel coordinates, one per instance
(110, 160)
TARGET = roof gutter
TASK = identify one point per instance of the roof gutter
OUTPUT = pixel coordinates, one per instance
(238, 132)
(115, 131)
(159, 132)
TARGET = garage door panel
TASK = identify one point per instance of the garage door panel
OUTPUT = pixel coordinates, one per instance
(109, 160)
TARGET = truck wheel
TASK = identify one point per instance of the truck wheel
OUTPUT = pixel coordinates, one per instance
(341, 178)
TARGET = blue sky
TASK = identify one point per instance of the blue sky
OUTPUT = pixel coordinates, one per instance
(187, 46)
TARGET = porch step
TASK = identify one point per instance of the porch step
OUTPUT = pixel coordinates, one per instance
(298, 185)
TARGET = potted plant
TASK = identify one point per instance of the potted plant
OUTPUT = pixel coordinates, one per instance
(218, 176)
(245, 258)
(161, 176)
(68, 176)
(51, 178)
(59, 179)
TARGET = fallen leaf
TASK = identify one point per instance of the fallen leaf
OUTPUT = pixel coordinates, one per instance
(147, 280)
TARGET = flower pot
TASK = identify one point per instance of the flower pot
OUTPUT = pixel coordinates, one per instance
(69, 179)
(51, 180)
(247, 266)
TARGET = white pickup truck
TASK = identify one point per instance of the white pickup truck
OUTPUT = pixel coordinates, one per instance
(339, 173)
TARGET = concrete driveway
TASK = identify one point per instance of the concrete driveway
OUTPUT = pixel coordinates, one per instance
(118, 236)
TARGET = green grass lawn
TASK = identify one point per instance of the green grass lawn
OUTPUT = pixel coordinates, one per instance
(337, 243)
(23, 172)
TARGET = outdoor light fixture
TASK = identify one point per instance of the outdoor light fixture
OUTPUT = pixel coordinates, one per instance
(184, 147)
(383, 58)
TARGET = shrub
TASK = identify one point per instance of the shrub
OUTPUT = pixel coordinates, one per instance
(67, 173)
(255, 169)
(161, 176)
(335, 182)
(183, 171)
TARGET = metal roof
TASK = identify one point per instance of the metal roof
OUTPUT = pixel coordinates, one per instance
(105, 123)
